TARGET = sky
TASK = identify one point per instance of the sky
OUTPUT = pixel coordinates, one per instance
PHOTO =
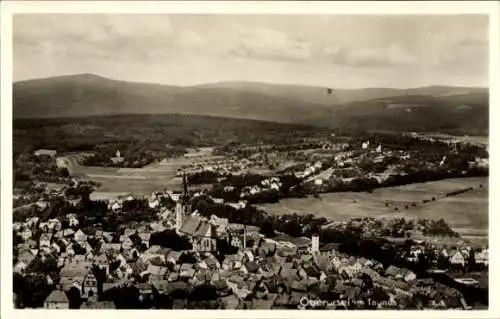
(340, 51)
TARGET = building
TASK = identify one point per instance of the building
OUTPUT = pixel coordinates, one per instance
(200, 232)
(315, 244)
(57, 300)
(89, 285)
(457, 258)
(51, 153)
(118, 158)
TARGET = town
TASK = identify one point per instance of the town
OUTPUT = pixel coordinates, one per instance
(213, 249)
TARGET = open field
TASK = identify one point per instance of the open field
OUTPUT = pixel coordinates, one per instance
(466, 213)
(138, 181)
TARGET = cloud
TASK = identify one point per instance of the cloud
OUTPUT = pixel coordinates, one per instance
(264, 43)
(103, 36)
(394, 54)
(191, 38)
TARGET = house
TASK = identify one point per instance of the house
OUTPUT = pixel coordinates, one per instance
(250, 267)
(129, 232)
(201, 233)
(89, 287)
(54, 224)
(173, 256)
(130, 255)
(139, 267)
(107, 236)
(161, 286)
(57, 300)
(230, 302)
(311, 271)
(56, 247)
(210, 263)
(186, 271)
(393, 271)
(236, 241)
(111, 247)
(102, 262)
(457, 258)
(481, 257)
(73, 274)
(80, 236)
(44, 240)
(145, 238)
(66, 233)
(26, 256)
(126, 242)
(20, 267)
(45, 152)
(26, 234)
(99, 305)
(409, 276)
(156, 272)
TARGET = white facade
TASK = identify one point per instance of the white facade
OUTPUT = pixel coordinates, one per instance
(315, 244)
(179, 212)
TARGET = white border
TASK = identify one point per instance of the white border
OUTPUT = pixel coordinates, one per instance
(231, 7)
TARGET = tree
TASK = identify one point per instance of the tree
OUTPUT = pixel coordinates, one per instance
(267, 229)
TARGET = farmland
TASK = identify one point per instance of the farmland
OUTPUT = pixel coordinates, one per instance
(467, 213)
(138, 181)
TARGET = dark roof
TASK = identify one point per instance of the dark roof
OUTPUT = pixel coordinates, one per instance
(312, 271)
(329, 247)
(139, 266)
(177, 285)
(195, 227)
(252, 266)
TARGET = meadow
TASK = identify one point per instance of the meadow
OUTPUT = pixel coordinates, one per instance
(138, 181)
(466, 213)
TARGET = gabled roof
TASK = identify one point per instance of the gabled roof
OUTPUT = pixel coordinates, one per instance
(139, 266)
(57, 296)
(174, 255)
(196, 227)
(157, 270)
(312, 271)
(161, 285)
(252, 266)
(393, 271)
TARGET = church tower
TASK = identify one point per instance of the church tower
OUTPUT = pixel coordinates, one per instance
(182, 205)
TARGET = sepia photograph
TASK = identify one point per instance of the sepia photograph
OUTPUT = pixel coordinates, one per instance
(246, 160)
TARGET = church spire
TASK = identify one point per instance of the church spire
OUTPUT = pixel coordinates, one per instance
(184, 187)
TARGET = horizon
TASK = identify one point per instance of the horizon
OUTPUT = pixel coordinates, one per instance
(244, 82)
(338, 51)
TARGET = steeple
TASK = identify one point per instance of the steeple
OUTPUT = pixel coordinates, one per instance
(184, 188)
(182, 205)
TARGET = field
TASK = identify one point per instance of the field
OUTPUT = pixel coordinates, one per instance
(467, 213)
(138, 181)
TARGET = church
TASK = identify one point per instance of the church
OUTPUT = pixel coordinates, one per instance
(200, 232)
